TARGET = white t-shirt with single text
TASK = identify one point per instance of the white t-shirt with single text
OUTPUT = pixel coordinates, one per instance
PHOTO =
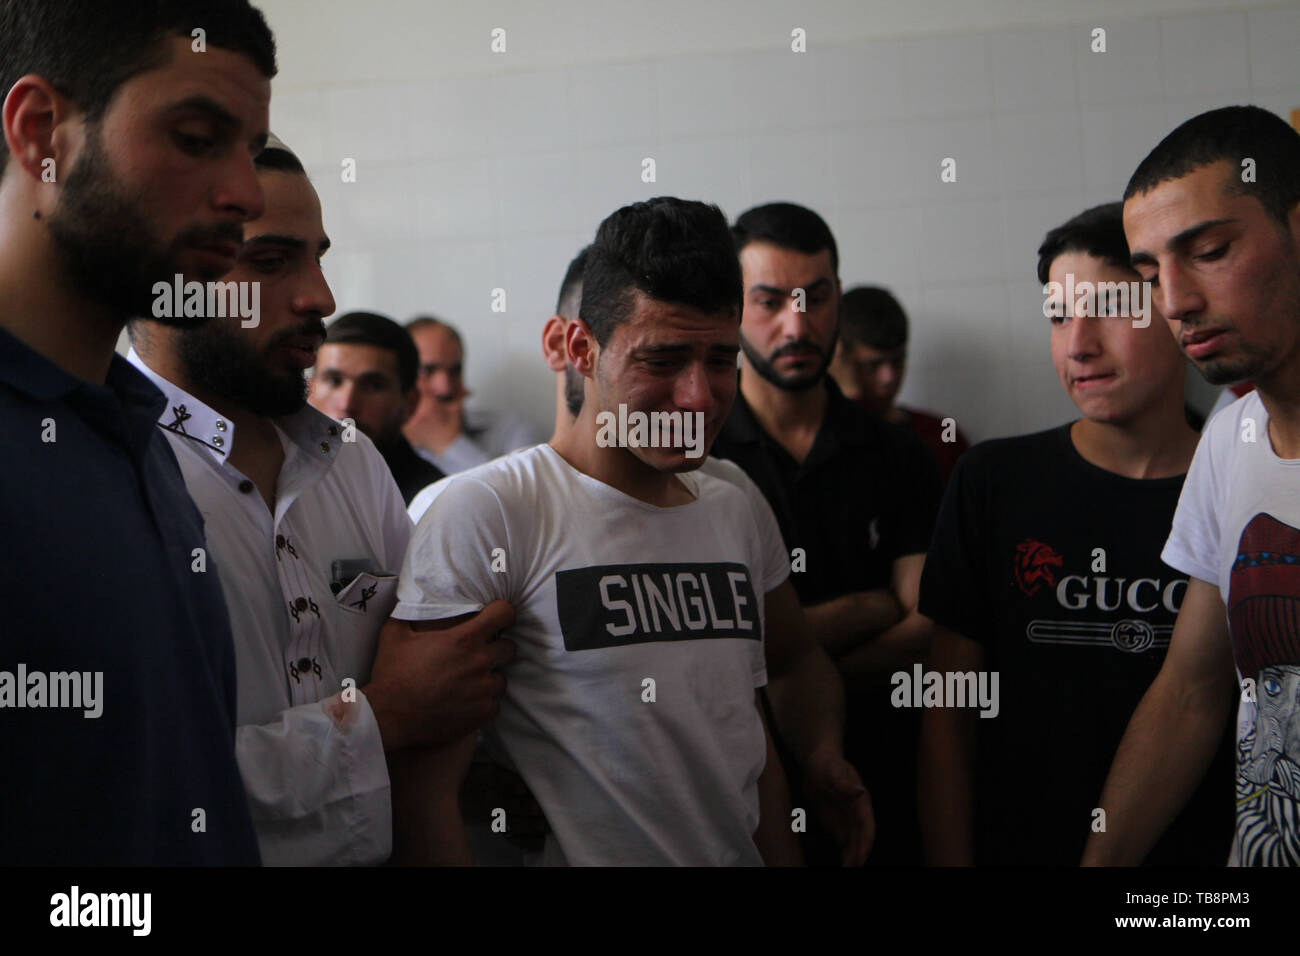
(629, 707)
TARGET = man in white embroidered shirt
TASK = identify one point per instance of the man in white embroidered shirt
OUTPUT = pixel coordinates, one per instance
(645, 589)
(307, 531)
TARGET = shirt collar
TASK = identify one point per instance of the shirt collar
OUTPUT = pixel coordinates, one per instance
(314, 432)
(837, 421)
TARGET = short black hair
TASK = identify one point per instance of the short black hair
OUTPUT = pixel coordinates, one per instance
(871, 316)
(282, 160)
(88, 48)
(788, 226)
(568, 301)
(1098, 231)
(1233, 133)
(673, 250)
(371, 328)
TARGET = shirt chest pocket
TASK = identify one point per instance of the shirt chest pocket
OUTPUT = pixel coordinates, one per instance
(369, 595)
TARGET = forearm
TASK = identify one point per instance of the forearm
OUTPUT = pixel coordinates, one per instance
(843, 623)
(872, 664)
(1166, 750)
(427, 826)
(945, 787)
(775, 836)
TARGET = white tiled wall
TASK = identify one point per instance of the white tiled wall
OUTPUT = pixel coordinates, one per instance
(478, 172)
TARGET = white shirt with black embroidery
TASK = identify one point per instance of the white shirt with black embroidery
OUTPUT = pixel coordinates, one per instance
(313, 766)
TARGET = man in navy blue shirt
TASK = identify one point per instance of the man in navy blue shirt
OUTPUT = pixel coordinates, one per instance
(127, 160)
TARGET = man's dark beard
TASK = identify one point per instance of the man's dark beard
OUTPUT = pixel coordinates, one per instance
(220, 361)
(1221, 373)
(790, 383)
(109, 253)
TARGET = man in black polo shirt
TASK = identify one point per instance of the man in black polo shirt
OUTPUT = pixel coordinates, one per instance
(366, 371)
(855, 498)
(128, 160)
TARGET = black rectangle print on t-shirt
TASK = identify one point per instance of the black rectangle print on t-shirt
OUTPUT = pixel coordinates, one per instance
(613, 605)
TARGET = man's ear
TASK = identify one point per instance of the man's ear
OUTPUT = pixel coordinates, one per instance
(553, 342)
(42, 129)
(580, 348)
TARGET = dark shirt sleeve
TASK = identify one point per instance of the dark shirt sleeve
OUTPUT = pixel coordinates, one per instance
(954, 590)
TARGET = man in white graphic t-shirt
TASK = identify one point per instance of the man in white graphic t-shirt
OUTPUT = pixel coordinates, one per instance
(644, 589)
(1212, 217)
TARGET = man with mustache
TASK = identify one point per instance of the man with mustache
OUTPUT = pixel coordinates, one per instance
(1212, 216)
(309, 530)
(854, 496)
(126, 159)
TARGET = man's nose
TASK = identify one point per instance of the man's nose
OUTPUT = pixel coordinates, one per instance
(239, 189)
(1178, 296)
(793, 321)
(343, 400)
(1084, 341)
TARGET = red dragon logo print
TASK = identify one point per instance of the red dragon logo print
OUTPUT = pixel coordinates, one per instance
(1034, 565)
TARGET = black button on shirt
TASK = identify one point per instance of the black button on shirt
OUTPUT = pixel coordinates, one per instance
(96, 534)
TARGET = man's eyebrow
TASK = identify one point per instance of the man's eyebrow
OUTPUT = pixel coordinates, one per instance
(198, 103)
(276, 241)
(280, 241)
(667, 348)
(1181, 240)
(774, 290)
